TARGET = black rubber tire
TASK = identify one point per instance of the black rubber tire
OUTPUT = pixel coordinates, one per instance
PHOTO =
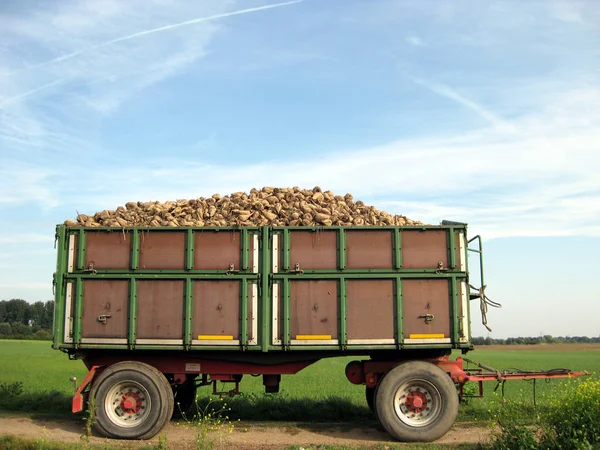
(158, 391)
(435, 389)
(184, 397)
(370, 397)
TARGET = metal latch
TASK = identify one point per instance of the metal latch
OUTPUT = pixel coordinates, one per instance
(102, 318)
(297, 269)
(440, 267)
(231, 269)
(428, 317)
(91, 269)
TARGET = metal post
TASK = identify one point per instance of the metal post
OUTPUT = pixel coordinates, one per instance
(133, 308)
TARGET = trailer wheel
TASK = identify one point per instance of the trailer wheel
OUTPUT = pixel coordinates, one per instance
(132, 400)
(416, 401)
(185, 396)
(370, 396)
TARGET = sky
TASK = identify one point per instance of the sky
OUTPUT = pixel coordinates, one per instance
(480, 112)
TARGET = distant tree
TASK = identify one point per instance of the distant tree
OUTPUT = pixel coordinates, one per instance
(48, 317)
(16, 311)
(43, 335)
(40, 315)
(548, 339)
(534, 340)
(5, 329)
(36, 313)
(20, 329)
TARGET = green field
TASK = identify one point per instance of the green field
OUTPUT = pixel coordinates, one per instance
(318, 393)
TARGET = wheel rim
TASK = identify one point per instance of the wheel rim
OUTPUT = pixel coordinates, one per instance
(417, 403)
(127, 404)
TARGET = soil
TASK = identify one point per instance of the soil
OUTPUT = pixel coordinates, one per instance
(252, 436)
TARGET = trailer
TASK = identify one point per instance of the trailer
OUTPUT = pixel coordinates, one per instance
(156, 312)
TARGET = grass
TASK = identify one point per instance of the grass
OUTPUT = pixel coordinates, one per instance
(44, 374)
(322, 393)
(19, 443)
(319, 393)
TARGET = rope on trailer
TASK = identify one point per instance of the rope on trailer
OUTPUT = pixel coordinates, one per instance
(484, 303)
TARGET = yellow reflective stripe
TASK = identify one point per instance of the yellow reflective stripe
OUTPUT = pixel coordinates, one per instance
(313, 337)
(214, 337)
(427, 336)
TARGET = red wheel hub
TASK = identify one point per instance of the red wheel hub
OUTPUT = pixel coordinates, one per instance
(131, 403)
(416, 402)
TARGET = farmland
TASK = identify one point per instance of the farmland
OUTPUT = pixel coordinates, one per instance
(44, 374)
(34, 381)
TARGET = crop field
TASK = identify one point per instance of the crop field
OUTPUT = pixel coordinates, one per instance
(34, 380)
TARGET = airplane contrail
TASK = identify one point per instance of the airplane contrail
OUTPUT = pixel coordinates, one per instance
(31, 92)
(157, 30)
(450, 93)
(128, 37)
(199, 20)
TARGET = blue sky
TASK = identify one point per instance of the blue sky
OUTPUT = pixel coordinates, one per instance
(483, 112)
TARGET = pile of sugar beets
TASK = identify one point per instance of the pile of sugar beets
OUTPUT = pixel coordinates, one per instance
(266, 206)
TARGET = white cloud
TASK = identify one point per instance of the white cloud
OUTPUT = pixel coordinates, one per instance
(415, 41)
(530, 169)
(92, 57)
(567, 11)
(540, 179)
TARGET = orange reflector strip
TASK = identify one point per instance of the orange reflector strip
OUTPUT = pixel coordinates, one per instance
(313, 337)
(427, 336)
(214, 337)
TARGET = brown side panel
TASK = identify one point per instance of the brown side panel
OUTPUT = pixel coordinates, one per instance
(313, 250)
(314, 307)
(108, 250)
(424, 249)
(426, 296)
(216, 308)
(160, 309)
(370, 309)
(369, 249)
(216, 250)
(105, 297)
(162, 250)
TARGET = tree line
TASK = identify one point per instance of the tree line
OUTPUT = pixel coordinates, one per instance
(546, 339)
(22, 320)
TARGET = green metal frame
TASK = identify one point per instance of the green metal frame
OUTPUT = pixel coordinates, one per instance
(265, 279)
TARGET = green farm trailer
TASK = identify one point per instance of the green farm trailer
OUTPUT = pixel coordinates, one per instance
(156, 312)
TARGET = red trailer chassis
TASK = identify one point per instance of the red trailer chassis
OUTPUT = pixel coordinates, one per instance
(368, 372)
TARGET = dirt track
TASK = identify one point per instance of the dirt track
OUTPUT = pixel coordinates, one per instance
(244, 436)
